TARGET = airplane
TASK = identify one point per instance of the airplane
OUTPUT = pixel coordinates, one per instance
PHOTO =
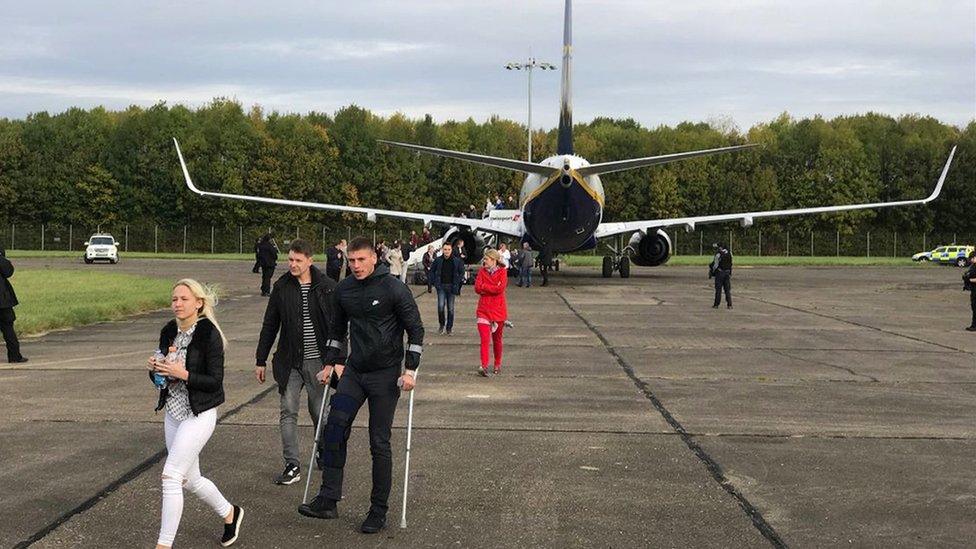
(561, 203)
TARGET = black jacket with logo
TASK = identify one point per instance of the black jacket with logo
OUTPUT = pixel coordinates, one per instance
(204, 361)
(284, 313)
(375, 312)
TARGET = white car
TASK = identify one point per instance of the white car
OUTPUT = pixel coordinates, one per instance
(101, 247)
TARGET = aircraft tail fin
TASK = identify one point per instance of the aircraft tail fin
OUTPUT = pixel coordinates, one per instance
(564, 144)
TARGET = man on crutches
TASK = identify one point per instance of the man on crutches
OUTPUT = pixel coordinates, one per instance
(374, 309)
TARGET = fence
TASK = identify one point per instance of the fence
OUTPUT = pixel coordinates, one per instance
(183, 238)
(755, 241)
(240, 239)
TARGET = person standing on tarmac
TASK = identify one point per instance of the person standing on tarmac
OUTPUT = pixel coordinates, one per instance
(334, 260)
(267, 255)
(721, 270)
(298, 313)
(545, 263)
(969, 283)
(375, 310)
(447, 276)
(492, 312)
(8, 300)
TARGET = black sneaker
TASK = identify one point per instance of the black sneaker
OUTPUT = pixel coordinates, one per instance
(440, 331)
(971, 329)
(374, 523)
(20, 360)
(233, 529)
(729, 306)
(290, 475)
(321, 508)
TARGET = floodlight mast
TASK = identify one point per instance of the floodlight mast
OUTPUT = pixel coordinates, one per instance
(528, 66)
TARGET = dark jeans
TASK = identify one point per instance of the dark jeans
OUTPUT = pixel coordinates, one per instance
(7, 318)
(723, 281)
(525, 276)
(429, 281)
(445, 307)
(266, 273)
(381, 391)
(972, 305)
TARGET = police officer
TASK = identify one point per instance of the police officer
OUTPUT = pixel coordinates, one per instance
(376, 309)
(721, 270)
(969, 283)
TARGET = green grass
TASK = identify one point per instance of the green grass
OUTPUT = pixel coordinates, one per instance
(749, 260)
(51, 299)
(19, 254)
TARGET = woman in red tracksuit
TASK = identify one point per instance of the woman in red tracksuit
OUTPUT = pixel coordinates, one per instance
(492, 310)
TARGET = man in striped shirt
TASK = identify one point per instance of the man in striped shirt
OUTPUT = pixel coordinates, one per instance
(298, 313)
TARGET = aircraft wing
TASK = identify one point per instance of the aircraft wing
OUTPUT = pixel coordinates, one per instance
(511, 226)
(610, 229)
(621, 165)
(509, 164)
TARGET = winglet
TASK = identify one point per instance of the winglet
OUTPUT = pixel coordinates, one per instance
(942, 178)
(186, 173)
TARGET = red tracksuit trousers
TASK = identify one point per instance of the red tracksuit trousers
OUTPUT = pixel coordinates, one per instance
(491, 339)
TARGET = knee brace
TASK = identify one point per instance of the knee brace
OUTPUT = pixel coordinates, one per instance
(342, 411)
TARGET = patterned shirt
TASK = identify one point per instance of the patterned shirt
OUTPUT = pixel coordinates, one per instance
(178, 402)
(310, 344)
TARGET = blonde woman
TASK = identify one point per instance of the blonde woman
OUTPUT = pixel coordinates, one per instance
(194, 373)
(492, 311)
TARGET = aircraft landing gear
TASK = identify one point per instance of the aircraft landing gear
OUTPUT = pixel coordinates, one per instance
(620, 264)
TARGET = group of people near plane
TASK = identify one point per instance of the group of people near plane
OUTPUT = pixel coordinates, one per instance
(342, 336)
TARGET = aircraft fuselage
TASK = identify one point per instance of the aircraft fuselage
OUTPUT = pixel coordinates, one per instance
(562, 211)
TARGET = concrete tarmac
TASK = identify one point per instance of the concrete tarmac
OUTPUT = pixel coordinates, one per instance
(832, 406)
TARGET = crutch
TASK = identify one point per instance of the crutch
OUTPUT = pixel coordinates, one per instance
(406, 463)
(315, 448)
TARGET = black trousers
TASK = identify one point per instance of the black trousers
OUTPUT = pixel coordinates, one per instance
(266, 273)
(972, 305)
(380, 390)
(723, 281)
(544, 270)
(7, 318)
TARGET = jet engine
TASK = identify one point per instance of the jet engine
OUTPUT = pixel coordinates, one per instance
(649, 249)
(474, 244)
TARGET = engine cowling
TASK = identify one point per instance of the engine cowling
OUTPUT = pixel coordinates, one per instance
(649, 249)
(474, 245)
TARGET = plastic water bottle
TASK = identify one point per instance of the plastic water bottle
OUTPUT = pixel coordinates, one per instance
(159, 380)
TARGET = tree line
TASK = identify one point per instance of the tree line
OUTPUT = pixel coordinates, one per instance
(98, 166)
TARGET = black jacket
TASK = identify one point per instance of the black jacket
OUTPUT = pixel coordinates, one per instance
(204, 361)
(455, 264)
(966, 277)
(375, 312)
(333, 262)
(284, 312)
(267, 255)
(8, 299)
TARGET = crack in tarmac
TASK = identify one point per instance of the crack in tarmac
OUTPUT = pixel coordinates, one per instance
(126, 478)
(828, 365)
(713, 467)
(858, 324)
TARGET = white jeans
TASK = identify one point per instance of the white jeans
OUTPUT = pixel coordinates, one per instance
(184, 441)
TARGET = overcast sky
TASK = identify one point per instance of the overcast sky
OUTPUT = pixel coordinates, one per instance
(660, 62)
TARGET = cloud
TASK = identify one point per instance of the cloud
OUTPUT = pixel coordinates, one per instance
(329, 50)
